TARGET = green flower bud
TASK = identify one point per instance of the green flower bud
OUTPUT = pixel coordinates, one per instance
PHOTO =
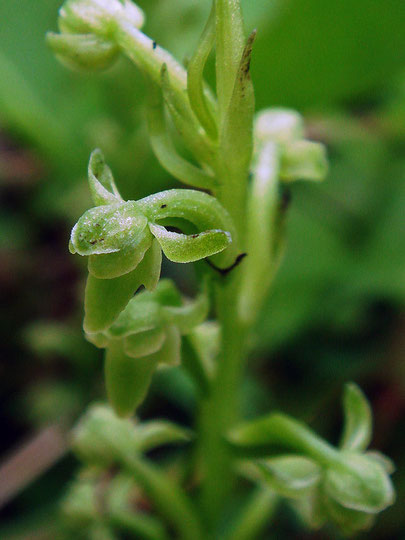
(98, 16)
(360, 484)
(82, 51)
(279, 125)
(291, 476)
(299, 158)
(102, 439)
(80, 502)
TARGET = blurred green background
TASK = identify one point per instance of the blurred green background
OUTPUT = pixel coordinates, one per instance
(336, 312)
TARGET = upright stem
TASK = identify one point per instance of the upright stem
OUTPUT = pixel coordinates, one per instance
(220, 411)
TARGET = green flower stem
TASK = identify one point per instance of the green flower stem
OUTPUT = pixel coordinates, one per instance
(255, 515)
(149, 57)
(220, 411)
(281, 431)
(169, 499)
(262, 205)
(142, 526)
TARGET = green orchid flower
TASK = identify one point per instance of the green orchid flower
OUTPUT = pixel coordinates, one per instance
(146, 334)
(348, 485)
(124, 240)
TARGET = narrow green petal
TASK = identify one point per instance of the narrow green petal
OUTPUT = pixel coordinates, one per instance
(150, 435)
(106, 298)
(290, 476)
(101, 181)
(127, 379)
(358, 419)
(144, 343)
(200, 209)
(113, 265)
(82, 51)
(169, 354)
(182, 248)
(189, 315)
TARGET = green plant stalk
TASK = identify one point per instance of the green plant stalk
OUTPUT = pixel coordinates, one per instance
(169, 499)
(220, 411)
(255, 515)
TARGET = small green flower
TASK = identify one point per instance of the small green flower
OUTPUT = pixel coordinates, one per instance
(145, 335)
(347, 486)
(300, 159)
(124, 240)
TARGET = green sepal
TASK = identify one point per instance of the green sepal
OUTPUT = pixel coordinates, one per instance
(106, 298)
(358, 419)
(144, 343)
(108, 229)
(349, 521)
(149, 272)
(113, 265)
(150, 435)
(144, 311)
(290, 476)
(182, 248)
(127, 379)
(190, 315)
(79, 504)
(311, 508)
(101, 181)
(82, 51)
(169, 354)
(198, 208)
(386, 463)
(139, 316)
(361, 484)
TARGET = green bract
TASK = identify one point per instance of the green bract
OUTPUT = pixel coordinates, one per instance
(123, 240)
(146, 334)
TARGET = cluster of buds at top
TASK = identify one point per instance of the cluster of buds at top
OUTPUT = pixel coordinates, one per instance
(347, 485)
(87, 28)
